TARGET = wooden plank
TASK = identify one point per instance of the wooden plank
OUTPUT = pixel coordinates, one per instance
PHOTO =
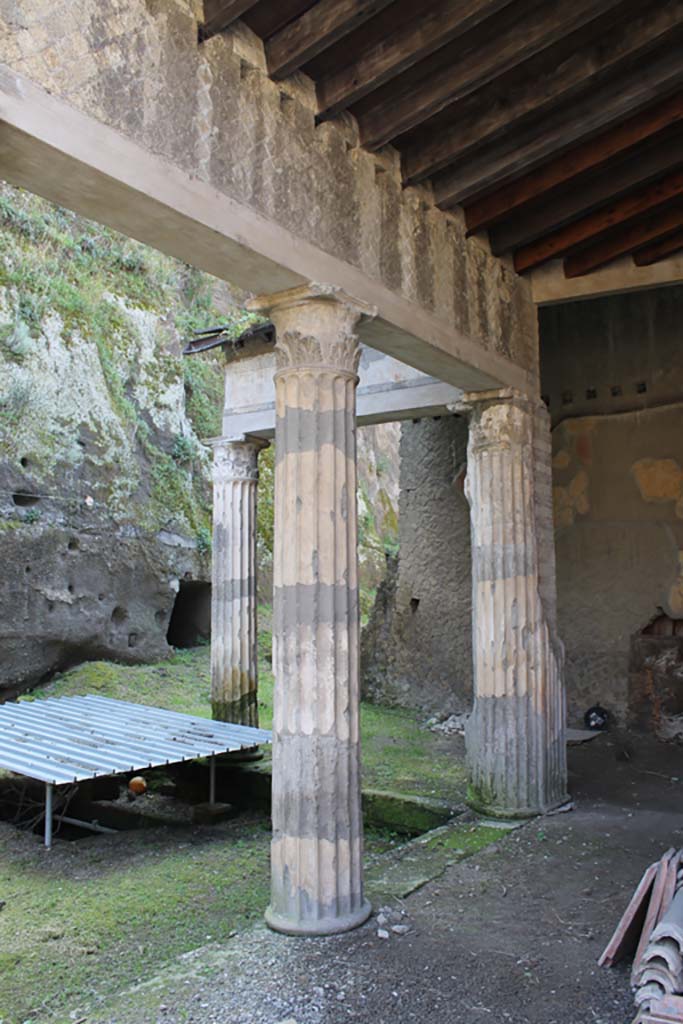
(220, 14)
(653, 909)
(267, 18)
(567, 238)
(385, 59)
(632, 236)
(585, 193)
(659, 250)
(585, 134)
(625, 937)
(669, 885)
(316, 29)
(490, 114)
(406, 103)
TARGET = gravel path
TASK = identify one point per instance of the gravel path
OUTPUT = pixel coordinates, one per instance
(511, 934)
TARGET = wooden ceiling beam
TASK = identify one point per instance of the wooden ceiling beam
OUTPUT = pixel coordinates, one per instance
(267, 18)
(496, 112)
(220, 14)
(630, 237)
(427, 32)
(659, 250)
(321, 26)
(607, 217)
(403, 104)
(591, 125)
(586, 193)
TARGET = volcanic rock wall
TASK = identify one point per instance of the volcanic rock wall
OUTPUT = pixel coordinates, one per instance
(105, 497)
(105, 489)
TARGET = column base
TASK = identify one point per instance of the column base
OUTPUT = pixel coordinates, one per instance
(474, 801)
(325, 926)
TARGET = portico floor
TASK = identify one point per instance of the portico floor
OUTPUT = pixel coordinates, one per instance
(509, 934)
(165, 925)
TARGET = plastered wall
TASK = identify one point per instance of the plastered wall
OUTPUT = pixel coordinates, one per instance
(618, 511)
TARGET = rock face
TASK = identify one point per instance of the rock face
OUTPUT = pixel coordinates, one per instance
(417, 646)
(105, 489)
(105, 497)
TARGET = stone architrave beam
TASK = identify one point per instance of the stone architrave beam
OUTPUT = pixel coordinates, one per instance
(72, 158)
(516, 734)
(388, 391)
(234, 673)
(317, 847)
(549, 285)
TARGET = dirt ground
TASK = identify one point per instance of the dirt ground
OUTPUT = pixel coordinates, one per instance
(511, 934)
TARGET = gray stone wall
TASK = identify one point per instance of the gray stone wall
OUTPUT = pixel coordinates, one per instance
(417, 647)
(212, 111)
(618, 512)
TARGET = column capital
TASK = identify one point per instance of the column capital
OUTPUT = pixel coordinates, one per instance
(315, 326)
(471, 401)
(308, 293)
(235, 458)
(499, 417)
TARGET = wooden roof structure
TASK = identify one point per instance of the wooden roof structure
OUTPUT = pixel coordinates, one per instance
(556, 125)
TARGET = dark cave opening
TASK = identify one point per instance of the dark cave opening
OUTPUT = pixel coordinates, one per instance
(190, 622)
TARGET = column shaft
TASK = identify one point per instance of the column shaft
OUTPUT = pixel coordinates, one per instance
(234, 674)
(317, 848)
(516, 734)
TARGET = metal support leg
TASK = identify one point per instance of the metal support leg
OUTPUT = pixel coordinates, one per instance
(212, 780)
(48, 815)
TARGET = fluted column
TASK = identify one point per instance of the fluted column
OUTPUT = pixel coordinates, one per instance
(317, 847)
(516, 734)
(234, 674)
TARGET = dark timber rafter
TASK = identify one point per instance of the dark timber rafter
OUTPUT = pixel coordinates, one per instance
(659, 250)
(585, 156)
(316, 29)
(220, 14)
(427, 32)
(496, 111)
(567, 238)
(643, 165)
(403, 105)
(631, 236)
(265, 19)
(556, 124)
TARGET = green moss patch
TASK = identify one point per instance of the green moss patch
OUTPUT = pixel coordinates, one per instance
(414, 864)
(405, 814)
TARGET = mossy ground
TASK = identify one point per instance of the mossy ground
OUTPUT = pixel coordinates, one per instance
(94, 916)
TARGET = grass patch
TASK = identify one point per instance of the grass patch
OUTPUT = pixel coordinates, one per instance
(99, 915)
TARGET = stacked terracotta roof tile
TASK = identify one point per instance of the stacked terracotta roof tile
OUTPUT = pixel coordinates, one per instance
(651, 929)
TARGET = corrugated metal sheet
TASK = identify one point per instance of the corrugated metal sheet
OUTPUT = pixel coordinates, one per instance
(68, 739)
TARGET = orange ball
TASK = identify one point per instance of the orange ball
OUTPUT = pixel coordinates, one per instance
(137, 785)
